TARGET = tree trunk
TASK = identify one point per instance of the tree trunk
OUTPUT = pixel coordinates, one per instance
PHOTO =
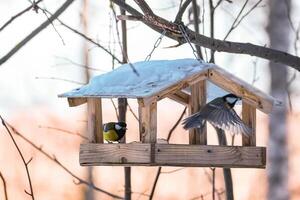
(278, 30)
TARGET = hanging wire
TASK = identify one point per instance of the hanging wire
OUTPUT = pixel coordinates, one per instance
(186, 37)
(156, 44)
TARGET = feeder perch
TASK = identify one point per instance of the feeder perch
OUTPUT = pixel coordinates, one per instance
(186, 81)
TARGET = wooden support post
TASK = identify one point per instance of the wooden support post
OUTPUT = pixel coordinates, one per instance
(94, 128)
(197, 100)
(148, 121)
(249, 118)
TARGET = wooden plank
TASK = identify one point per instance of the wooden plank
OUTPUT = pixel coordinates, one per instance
(114, 154)
(176, 87)
(197, 100)
(94, 125)
(148, 122)
(139, 154)
(249, 118)
(235, 85)
(210, 156)
(180, 97)
(76, 101)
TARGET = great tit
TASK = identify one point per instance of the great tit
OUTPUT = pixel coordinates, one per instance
(220, 113)
(114, 131)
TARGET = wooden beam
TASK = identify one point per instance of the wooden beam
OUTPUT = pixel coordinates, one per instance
(235, 85)
(176, 87)
(148, 121)
(197, 100)
(210, 156)
(180, 97)
(76, 101)
(94, 125)
(139, 154)
(114, 154)
(249, 118)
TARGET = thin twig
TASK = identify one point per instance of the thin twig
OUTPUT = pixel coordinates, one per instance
(84, 36)
(60, 79)
(239, 19)
(212, 28)
(35, 32)
(56, 161)
(64, 131)
(293, 27)
(132, 112)
(115, 107)
(30, 193)
(77, 64)
(123, 50)
(4, 186)
(196, 25)
(160, 168)
(173, 171)
(18, 15)
(219, 192)
(59, 35)
(182, 9)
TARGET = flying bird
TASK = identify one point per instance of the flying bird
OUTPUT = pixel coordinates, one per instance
(220, 113)
(114, 131)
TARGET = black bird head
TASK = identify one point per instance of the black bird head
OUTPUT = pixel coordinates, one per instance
(231, 99)
(120, 126)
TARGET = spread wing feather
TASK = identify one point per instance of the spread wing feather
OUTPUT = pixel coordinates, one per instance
(219, 115)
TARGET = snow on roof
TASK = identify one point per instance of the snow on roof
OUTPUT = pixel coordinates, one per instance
(154, 76)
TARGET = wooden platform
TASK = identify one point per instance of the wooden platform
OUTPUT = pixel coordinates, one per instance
(146, 154)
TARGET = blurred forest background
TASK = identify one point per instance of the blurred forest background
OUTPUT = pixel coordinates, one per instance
(86, 40)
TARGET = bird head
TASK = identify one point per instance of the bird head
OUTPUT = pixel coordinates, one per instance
(231, 99)
(120, 126)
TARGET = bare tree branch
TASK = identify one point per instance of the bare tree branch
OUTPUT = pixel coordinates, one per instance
(76, 64)
(60, 79)
(182, 9)
(133, 113)
(4, 186)
(85, 37)
(22, 157)
(18, 15)
(56, 161)
(173, 32)
(64, 131)
(196, 25)
(239, 19)
(36, 31)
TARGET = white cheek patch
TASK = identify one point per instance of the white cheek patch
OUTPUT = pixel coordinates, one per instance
(231, 99)
(118, 127)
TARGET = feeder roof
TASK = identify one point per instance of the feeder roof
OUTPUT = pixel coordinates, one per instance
(152, 77)
(155, 76)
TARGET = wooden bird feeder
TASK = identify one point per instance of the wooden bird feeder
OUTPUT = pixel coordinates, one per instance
(158, 80)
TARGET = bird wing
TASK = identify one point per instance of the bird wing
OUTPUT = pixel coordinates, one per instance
(193, 121)
(224, 117)
(198, 119)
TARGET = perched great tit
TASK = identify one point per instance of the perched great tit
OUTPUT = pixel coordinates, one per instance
(114, 131)
(220, 113)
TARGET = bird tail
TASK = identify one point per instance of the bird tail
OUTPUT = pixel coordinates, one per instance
(193, 121)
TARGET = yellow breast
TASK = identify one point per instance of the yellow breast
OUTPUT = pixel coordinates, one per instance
(110, 135)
